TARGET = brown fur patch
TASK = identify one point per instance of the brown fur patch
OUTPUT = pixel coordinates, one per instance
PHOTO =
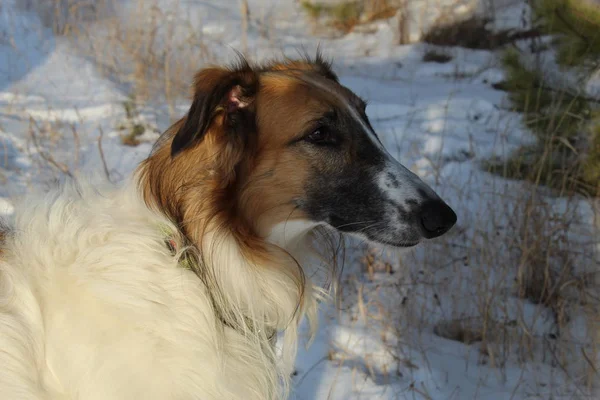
(245, 180)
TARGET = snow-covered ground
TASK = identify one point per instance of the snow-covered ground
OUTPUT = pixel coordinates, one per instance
(60, 113)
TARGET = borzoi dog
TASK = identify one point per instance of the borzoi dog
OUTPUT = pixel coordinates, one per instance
(175, 284)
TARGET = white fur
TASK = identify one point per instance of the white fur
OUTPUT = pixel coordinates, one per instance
(290, 234)
(93, 306)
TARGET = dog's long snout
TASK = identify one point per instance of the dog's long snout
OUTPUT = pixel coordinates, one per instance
(421, 212)
(435, 218)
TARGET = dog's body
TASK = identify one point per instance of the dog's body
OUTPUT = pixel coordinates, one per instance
(174, 285)
(94, 305)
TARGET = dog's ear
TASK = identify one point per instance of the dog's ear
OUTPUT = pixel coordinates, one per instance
(223, 103)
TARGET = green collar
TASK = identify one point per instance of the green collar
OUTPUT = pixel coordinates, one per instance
(185, 260)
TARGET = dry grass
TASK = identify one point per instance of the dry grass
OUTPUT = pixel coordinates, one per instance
(143, 54)
(521, 290)
(133, 128)
(49, 136)
(516, 280)
(346, 15)
(562, 120)
(521, 287)
(66, 17)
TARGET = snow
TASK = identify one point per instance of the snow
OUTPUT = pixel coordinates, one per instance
(443, 121)
(6, 208)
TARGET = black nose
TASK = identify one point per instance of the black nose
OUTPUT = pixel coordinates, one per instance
(436, 218)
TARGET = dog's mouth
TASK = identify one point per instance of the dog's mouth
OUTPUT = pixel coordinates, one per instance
(408, 238)
(400, 244)
(403, 241)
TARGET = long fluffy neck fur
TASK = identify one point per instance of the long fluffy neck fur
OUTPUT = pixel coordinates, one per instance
(256, 287)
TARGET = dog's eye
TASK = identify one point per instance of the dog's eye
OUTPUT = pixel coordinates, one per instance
(321, 136)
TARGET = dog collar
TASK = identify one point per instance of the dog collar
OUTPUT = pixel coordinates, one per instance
(187, 262)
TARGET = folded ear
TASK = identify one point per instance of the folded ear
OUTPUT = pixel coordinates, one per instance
(223, 101)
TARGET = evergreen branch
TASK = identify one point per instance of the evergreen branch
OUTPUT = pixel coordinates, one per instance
(570, 27)
(568, 93)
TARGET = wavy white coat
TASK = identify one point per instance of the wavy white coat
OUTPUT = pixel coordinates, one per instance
(93, 306)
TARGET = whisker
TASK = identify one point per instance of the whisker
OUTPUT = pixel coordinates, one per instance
(356, 223)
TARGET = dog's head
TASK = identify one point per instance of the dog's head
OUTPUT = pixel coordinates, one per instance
(286, 145)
